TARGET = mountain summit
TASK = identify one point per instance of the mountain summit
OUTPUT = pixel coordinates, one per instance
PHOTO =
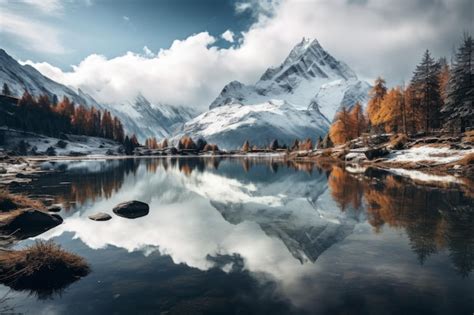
(297, 99)
(309, 76)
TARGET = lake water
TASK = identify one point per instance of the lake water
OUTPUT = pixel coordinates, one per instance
(235, 236)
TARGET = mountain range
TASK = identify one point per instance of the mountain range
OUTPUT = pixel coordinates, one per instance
(138, 115)
(295, 100)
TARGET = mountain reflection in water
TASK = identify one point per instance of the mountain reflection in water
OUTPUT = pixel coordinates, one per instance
(302, 237)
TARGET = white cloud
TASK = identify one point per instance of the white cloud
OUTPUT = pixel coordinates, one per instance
(373, 37)
(31, 34)
(148, 52)
(228, 36)
(46, 6)
(125, 18)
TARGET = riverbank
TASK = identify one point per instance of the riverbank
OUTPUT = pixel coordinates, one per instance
(427, 155)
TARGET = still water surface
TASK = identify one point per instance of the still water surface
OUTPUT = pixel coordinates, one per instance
(255, 237)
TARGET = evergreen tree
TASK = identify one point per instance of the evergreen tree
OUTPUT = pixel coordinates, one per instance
(274, 145)
(425, 84)
(246, 146)
(6, 90)
(458, 111)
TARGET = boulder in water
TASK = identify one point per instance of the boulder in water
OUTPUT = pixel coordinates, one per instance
(131, 209)
(28, 223)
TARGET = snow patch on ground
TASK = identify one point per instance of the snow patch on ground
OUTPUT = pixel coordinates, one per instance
(80, 144)
(438, 155)
(424, 177)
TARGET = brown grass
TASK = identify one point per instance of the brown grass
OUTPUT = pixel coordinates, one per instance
(43, 268)
(467, 160)
(468, 136)
(10, 202)
(398, 141)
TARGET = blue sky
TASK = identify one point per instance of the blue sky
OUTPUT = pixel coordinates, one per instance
(174, 51)
(113, 27)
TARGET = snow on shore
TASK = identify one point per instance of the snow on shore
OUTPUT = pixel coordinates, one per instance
(438, 155)
(424, 177)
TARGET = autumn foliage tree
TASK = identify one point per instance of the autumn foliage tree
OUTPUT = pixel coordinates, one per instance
(42, 116)
(374, 105)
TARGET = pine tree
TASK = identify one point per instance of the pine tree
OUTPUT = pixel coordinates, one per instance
(458, 111)
(425, 84)
(119, 133)
(274, 145)
(377, 94)
(246, 146)
(164, 143)
(6, 90)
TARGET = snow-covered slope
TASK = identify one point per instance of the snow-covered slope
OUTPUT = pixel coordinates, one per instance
(139, 116)
(308, 76)
(146, 119)
(230, 125)
(20, 78)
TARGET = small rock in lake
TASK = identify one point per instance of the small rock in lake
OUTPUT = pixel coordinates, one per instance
(54, 208)
(101, 216)
(131, 209)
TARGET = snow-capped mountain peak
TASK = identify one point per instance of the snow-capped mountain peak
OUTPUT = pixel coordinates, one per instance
(308, 77)
(296, 99)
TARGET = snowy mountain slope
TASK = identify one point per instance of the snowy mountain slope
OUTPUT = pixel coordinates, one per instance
(139, 116)
(230, 125)
(297, 99)
(20, 78)
(148, 120)
(309, 75)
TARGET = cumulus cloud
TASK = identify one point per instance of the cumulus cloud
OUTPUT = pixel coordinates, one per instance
(373, 37)
(228, 36)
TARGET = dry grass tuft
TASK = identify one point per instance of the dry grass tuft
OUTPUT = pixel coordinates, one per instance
(398, 141)
(43, 268)
(468, 137)
(10, 202)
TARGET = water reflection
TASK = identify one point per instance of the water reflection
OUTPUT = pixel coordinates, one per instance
(283, 199)
(303, 229)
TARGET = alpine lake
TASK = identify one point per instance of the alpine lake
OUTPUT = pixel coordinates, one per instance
(254, 236)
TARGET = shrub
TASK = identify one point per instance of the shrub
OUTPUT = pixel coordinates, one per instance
(43, 268)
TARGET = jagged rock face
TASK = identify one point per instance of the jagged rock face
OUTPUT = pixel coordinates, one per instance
(139, 116)
(309, 78)
(148, 120)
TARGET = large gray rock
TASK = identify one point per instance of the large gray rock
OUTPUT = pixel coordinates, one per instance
(28, 223)
(100, 216)
(131, 209)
